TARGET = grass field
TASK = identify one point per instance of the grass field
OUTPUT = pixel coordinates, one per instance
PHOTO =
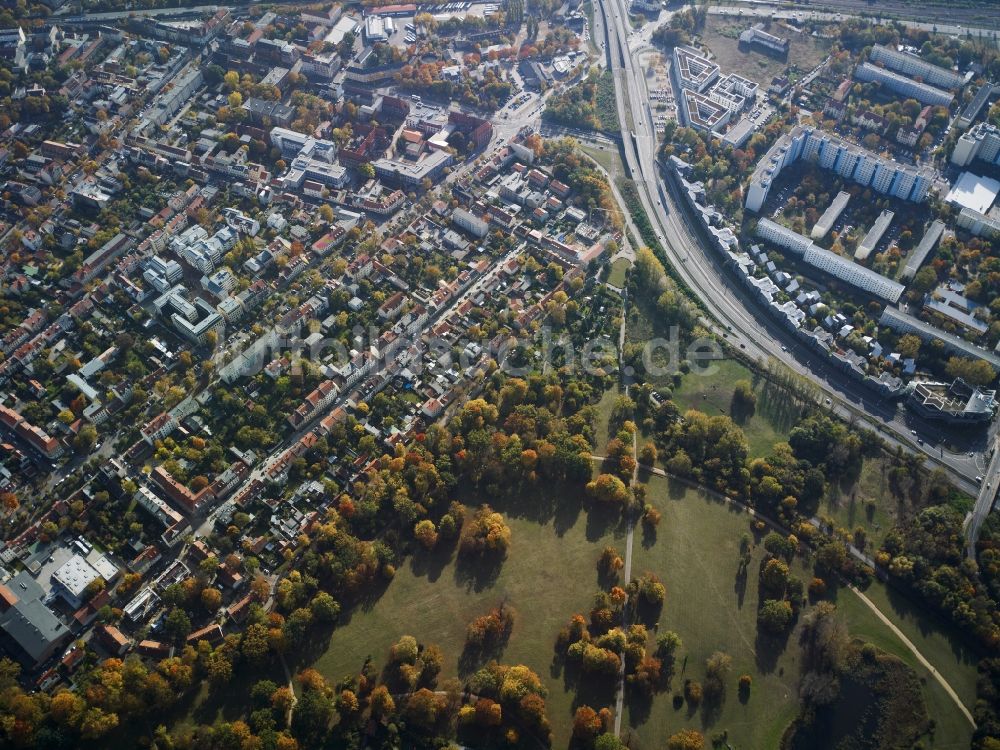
(713, 394)
(619, 268)
(695, 554)
(934, 640)
(433, 600)
(721, 36)
(607, 158)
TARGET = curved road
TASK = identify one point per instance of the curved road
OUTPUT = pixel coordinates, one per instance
(740, 320)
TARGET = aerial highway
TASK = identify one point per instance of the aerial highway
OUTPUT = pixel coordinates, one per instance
(740, 321)
(984, 503)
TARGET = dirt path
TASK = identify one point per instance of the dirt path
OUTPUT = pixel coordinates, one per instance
(291, 687)
(913, 649)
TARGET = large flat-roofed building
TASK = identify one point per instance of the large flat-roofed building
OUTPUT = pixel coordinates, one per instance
(956, 307)
(975, 105)
(470, 222)
(734, 92)
(73, 577)
(706, 102)
(974, 192)
(838, 266)
(956, 403)
(911, 65)
(830, 216)
(701, 113)
(850, 161)
(978, 223)
(922, 92)
(692, 70)
(904, 323)
(28, 622)
(789, 239)
(854, 274)
(411, 173)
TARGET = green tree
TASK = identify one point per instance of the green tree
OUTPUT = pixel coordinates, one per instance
(774, 616)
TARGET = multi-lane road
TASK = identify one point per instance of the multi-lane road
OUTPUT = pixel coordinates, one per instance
(739, 320)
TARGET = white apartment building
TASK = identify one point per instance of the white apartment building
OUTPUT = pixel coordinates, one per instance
(911, 65)
(922, 92)
(470, 222)
(838, 266)
(849, 160)
(982, 142)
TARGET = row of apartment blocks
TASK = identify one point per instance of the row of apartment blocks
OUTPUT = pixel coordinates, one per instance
(911, 65)
(838, 266)
(34, 436)
(849, 160)
(899, 84)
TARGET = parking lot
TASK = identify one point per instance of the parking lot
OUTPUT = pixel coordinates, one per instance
(661, 95)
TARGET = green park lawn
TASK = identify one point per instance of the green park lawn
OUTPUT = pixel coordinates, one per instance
(616, 277)
(935, 640)
(712, 393)
(695, 554)
(602, 419)
(549, 575)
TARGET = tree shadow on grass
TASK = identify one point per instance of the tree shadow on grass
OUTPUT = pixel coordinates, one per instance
(648, 535)
(930, 623)
(478, 572)
(639, 704)
(227, 702)
(778, 406)
(566, 515)
(769, 648)
(646, 613)
(559, 503)
(643, 474)
(741, 412)
(430, 564)
(711, 707)
(313, 646)
(473, 657)
(607, 578)
(740, 586)
(676, 489)
(594, 692)
(602, 519)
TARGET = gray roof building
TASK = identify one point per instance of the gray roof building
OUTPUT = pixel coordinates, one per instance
(27, 621)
